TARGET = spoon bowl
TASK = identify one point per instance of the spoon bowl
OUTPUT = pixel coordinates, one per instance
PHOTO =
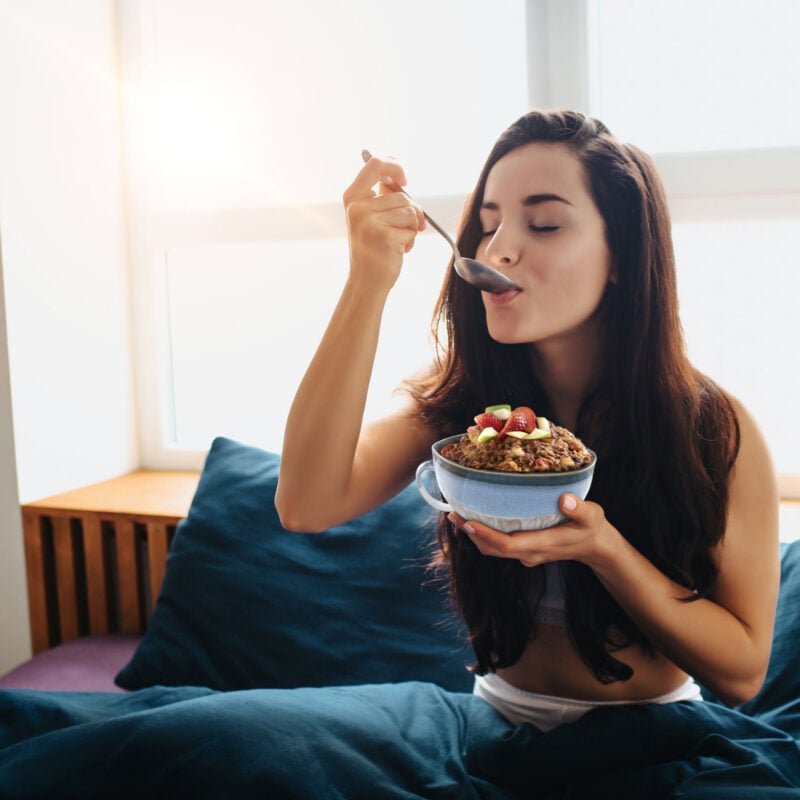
(473, 272)
(480, 276)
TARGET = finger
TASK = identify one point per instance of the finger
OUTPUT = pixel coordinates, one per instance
(371, 174)
(383, 189)
(531, 548)
(410, 216)
(579, 511)
(501, 538)
(403, 217)
(489, 541)
(456, 519)
(392, 211)
(388, 186)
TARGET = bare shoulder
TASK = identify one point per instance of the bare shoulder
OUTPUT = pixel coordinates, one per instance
(748, 554)
(753, 483)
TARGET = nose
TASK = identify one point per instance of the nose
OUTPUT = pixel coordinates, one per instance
(502, 250)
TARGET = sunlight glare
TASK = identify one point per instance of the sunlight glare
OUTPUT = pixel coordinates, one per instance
(192, 134)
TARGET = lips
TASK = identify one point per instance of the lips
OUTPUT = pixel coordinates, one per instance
(504, 298)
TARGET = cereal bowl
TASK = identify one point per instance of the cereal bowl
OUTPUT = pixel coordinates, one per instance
(506, 501)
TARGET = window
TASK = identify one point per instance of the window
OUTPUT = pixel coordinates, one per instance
(699, 75)
(738, 317)
(240, 346)
(245, 121)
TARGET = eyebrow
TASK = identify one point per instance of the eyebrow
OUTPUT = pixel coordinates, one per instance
(531, 200)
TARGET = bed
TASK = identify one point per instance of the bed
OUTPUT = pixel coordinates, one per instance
(283, 665)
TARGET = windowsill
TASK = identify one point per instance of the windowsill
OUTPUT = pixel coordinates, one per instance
(143, 493)
(790, 520)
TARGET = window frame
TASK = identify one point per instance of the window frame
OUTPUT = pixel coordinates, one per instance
(562, 64)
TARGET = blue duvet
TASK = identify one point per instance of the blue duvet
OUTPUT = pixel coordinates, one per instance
(375, 742)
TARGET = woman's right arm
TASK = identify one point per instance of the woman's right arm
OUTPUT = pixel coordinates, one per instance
(331, 470)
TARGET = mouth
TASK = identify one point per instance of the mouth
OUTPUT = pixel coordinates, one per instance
(504, 298)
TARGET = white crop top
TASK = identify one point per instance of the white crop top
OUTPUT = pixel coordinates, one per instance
(551, 608)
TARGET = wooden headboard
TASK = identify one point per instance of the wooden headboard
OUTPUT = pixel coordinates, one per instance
(96, 556)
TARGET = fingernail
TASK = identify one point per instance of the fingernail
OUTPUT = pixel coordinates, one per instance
(570, 503)
(467, 528)
(453, 517)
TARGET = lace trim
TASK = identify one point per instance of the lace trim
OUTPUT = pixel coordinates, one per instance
(551, 616)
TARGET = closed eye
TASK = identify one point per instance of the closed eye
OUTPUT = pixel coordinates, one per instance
(534, 228)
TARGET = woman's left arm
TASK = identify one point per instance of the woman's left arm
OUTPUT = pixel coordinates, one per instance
(723, 640)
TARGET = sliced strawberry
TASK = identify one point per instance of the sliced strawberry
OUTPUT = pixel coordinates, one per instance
(486, 420)
(522, 419)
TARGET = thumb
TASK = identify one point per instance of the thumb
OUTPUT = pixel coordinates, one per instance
(571, 505)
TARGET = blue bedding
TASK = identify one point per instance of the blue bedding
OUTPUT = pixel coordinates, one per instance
(407, 740)
(368, 687)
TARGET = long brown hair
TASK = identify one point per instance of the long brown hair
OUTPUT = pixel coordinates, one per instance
(666, 436)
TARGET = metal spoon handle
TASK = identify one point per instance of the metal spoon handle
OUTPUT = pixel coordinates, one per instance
(473, 272)
(396, 187)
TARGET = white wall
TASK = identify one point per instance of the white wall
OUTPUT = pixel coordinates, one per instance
(14, 633)
(64, 269)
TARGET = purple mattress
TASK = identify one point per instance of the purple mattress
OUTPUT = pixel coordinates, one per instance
(88, 664)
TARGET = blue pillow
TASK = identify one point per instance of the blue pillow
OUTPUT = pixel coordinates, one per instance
(247, 604)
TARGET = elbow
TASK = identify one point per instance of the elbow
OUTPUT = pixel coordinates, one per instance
(738, 692)
(294, 517)
(297, 523)
(741, 679)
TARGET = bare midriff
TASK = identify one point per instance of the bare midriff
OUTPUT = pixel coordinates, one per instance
(551, 665)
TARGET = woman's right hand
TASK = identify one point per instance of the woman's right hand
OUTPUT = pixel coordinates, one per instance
(381, 226)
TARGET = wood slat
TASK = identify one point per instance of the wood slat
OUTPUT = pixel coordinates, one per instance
(37, 592)
(156, 499)
(65, 579)
(96, 578)
(157, 545)
(130, 620)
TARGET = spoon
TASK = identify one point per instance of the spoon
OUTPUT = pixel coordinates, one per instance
(479, 275)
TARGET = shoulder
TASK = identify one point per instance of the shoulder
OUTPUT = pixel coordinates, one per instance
(751, 534)
(753, 478)
(747, 472)
(748, 553)
(753, 451)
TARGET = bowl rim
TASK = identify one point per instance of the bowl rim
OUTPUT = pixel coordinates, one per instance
(500, 476)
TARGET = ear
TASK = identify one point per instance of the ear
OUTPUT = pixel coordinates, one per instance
(613, 275)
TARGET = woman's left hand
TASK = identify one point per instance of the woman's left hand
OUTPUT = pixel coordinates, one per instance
(587, 536)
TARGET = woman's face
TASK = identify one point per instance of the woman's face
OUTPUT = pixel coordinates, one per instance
(542, 229)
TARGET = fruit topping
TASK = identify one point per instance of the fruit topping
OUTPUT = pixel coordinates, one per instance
(522, 442)
(473, 432)
(501, 421)
(522, 419)
(489, 420)
(502, 412)
(486, 434)
(538, 433)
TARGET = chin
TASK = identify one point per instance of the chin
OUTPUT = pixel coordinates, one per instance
(505, 336)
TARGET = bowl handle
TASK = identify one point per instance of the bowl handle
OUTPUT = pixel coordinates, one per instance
(422, 470)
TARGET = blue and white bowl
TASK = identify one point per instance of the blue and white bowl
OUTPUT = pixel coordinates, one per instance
(506, 501)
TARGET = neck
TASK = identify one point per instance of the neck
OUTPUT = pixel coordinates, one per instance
(568, 368)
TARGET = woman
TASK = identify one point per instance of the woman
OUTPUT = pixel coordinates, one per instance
(668, 572)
